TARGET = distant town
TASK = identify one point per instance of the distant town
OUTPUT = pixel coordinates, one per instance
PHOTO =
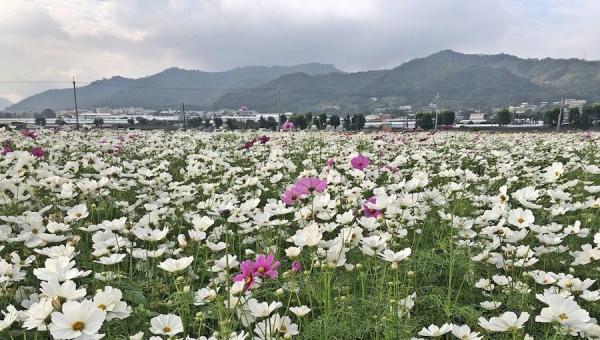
(402, 117)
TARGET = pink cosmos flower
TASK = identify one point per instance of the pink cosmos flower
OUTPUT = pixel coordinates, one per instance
(310, 184)
(37, 152)
(371, 212)
(266, 266)
(247, 274)
(330, 162)
(287, 126)
(249, 144)
(29, 133)
(6, 148)
(296, 267)
(293, 194)
(360, 162)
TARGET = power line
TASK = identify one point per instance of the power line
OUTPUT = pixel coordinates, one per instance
(36, 82)
(184, 88)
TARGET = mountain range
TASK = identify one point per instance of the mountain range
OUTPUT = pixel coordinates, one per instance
(4, 103)
(456, 80)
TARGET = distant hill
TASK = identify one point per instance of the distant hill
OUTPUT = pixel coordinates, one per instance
(458, 80)
(195, 88)
(4, 103)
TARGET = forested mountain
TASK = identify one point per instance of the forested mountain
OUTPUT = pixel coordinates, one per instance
(458, 80)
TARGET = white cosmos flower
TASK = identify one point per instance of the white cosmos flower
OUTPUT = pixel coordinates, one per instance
(300, 311)
(10, 316)
(78, 320)
(37, 314)
(554, 171)
(197, 235)
(166, 324)
(484, 284)
(172, 265)
(140, 253)
(111, 259)
(502, 280)
(204, 295)
(77, 213)
(434, 331)
(590, 295)
(308, 236)
(505, 322)
(149, 234)
(292, 252)
(275, 326)
(520, 218)
(225, 262)
(464, 333)
(137, 336)
(61, 269)
(216, 246)
(66, 291)
(563, 310)
(262, 309)
(202, 223)
(58, 251)
(490, 305)
(391, 256)
(109, 300)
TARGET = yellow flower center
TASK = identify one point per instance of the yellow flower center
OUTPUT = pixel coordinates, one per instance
(261, 270)
(563, 317)
(166, 329)
(521, 220)
(102, 306)
(78, 326)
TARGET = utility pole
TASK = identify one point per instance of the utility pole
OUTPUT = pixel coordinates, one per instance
(75, 98)
(437, 96)
(184, 118)
(560, 112)
(278, 106)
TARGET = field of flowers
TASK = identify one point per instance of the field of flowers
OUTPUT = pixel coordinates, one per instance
(191, 235)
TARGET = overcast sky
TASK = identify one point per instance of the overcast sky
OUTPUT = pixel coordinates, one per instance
(55, 39)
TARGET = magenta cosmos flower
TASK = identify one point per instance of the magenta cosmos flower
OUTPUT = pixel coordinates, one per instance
(266, 266)
(292, 194)
(296, 267)
(263, 139)
(37, 152)
(29, 133)
(360, 162)
(371, 212)
(247, 274)
(310, 184)
(6, 148)
(249, 144)
(287, 126)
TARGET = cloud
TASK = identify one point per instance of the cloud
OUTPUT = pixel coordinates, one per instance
(55, 39)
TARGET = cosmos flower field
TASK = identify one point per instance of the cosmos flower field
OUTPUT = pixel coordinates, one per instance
(191, 235)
